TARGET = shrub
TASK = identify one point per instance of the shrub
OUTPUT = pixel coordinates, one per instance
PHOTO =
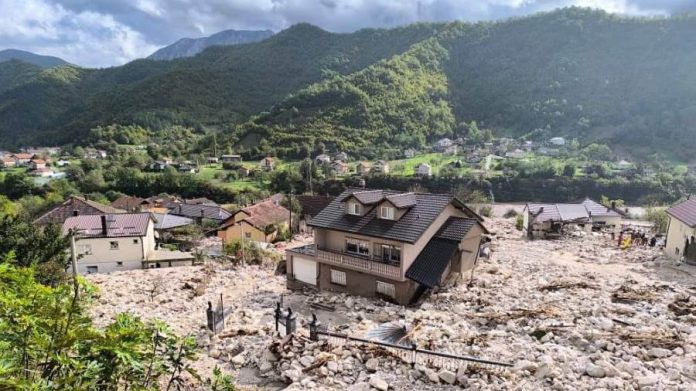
(486, 211)
(519, 222)
(510, 213)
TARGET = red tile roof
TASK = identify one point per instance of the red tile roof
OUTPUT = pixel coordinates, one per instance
(117, 225)
(684, 212)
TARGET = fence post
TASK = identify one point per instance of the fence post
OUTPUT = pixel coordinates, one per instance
(414, 349)
(210, 314)
(277, 315)
(314, 328)
(290, 322)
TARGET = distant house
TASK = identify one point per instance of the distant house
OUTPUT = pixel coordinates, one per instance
(681, 231)
(231, 158)
(212, 159)
(187, 168)
(516, 154)
(423, 170)
(451, 150)
(339, 167)
(342, 156)
(322, 159)
(36, 164)
(243, 172)
(158, 165)
(380, 167)
(311, 205)
(22, 159)
(63, 163)
(92, 153)
(409, 153)
(75, 206)
(362, 168)
(267, 164)
(560, 141)
(201, 213)
(114, 242)
(132, 204)
(442, 144)
(8, 162)
(260, 222)
(43, 172)
(624, 165)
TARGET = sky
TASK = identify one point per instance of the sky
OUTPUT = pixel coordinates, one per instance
(101, 33)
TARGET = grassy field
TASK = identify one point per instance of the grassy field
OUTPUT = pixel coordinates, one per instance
(406, 167)
(216, 174)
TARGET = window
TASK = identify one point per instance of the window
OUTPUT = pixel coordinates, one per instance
(386, 289)
(354, 208)
(135, 241)
(247, 235)
(92, 269)
(356, 246)
(84, 249)
(386, 212)
(338, 277)
(391, 254)
(114, 245)
(119, 264)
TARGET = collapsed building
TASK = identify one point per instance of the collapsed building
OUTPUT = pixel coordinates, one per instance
(548, 221)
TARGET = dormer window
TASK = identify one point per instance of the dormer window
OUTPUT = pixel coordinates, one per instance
(386, 212)
(354, 208)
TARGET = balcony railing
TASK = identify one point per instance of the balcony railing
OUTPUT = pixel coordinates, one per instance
(356, 262)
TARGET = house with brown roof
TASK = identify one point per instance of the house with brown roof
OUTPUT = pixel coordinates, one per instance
(380, 243)
(362, 168)
(260, 222)
(132, 204)
(114, 242)
(36, 164)
(8, 162)
(681, 231)
(76, 206)
(267, 164)
(22, 159)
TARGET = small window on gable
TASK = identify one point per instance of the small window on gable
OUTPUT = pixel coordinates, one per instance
(136, 241)
(386, 212)
(114, 245)
(354, 208)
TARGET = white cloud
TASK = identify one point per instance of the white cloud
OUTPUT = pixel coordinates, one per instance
(87, 38)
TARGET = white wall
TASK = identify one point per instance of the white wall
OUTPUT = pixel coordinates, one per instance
(131, 252)
(677, 234)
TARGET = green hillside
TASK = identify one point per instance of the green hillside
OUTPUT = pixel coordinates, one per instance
(16, 72)
(573, 72)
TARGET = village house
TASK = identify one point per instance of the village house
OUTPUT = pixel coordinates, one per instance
(158, 165)
(231, 158)
(560, 141)
(8, 162)
(549, 220)
(310, 206)
(387, 244)
(63, 162)
(442, 144)
(681, 231)
(322, 159)
(186, 167)
(409, 153)
(380, 167)
(339, 167)
(261, 222)
(423, 170)
(362, 168)
(36, 164)
(243, 172)
(75, 206)
(451, 150)
(43, 172)
(22, 159)
(267, 164)
(516, 154)
(92, 153)
(342, 156)
(132, 204)
(108, 243)
(212, 160)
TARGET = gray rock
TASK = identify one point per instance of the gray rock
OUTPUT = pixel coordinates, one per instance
(372, 365)
(379, 383)
(332, 366)
(362, 386)
(645, 381)
(214, 353)
(594, 370)
(306, 361)
(447, 376)
(659, 352)
(432, 375)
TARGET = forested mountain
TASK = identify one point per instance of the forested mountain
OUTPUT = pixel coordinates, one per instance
(187, 47)
(572, 72)
(16, 72)
(31, 58)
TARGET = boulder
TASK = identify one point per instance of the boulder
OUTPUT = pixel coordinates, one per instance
(447, 376)
(372, 365)
(379, 383)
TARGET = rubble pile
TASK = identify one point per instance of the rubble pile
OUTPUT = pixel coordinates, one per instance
(569, 314)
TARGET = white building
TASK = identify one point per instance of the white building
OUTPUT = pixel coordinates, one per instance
(423, 169)
(114, 242)
(557, 141)
(681, 231)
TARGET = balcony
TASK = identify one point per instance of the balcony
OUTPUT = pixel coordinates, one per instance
(361, 264)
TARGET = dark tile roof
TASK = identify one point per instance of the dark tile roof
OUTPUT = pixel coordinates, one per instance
(366, 197)
(685, 212)
(196, 211)
(75, 205)
(597, 209)
(407, 229)
(312, 205)
(429, 265)
(169, 221)
(455, 228)
(405, 200)
(200, 201)
(117, 225)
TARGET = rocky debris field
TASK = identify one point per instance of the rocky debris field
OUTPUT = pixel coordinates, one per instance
(577, 313)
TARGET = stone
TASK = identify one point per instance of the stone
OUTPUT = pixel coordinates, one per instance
(362, 386)
(432, 375)
(332, 366)
(372, 365)
(594, 370)
(659, 352)
(525, 365)
(379, 383)
(214, 353)
(238, 359)
(306, 361)
(542, 371)
(447, 376)
(265, 366)
(646, 381)
(350, 302)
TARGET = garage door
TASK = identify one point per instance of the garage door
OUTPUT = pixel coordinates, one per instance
(305, 270)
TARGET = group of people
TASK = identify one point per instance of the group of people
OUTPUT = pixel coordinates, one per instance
(628, 238)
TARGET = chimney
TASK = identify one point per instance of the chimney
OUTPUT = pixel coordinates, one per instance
(86, 196)
(75, 212)
(613, 204)
(103, 224)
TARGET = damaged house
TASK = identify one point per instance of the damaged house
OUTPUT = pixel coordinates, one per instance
(549, 220)
(681, 231)
(389, 244)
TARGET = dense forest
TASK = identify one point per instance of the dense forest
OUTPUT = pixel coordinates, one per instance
(574, 72)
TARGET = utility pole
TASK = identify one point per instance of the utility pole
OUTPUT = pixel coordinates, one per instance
(290, 207)
(73, 256)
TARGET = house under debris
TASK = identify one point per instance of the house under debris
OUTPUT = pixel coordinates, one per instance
(549, 221)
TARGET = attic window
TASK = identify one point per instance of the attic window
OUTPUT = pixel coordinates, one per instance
(354, 208)
(386, 212)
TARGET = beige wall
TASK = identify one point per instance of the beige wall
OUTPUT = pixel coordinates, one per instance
(613, 223)
(677, 233)
(233, 232)
(469, 247)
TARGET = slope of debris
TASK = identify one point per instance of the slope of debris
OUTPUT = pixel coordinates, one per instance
(577, 313)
